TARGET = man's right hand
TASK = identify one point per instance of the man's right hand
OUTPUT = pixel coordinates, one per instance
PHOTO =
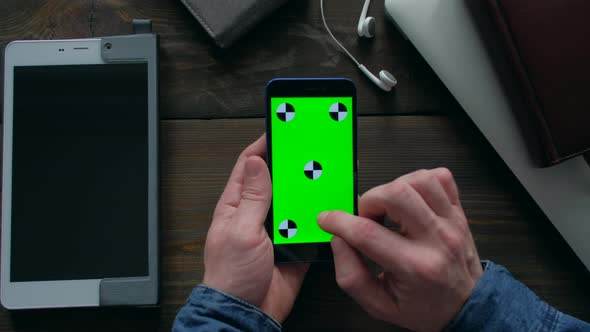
(430, 267)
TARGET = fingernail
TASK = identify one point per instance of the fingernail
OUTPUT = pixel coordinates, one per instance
(252, 168)
(322, 216)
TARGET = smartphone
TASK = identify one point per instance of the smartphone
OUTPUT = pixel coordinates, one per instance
(311, 141)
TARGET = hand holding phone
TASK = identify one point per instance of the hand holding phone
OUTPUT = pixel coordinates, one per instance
(238, 252)
(311, 135)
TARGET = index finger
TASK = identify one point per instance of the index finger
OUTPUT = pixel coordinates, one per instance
(386, 248)
(402, 203)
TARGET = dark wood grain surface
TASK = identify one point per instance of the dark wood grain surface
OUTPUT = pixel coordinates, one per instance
(417, 126)
(199, 80)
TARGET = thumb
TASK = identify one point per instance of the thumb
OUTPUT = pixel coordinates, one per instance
(256, 192)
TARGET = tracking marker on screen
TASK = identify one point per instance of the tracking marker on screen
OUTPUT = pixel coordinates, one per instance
(287, 228)
(313, 170)
(285, 112)
(338, 112)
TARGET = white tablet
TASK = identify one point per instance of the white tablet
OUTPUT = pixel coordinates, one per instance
(80, 173)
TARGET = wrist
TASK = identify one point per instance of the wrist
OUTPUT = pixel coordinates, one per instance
(232, 304)
(244, 290)
(498, 302)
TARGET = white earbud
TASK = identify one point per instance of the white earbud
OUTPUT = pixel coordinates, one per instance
(386, 80)
(366, 26)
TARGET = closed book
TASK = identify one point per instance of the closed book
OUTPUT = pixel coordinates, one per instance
(227, 20)
(548, 46)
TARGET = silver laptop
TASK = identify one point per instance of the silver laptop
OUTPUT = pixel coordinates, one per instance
(445, 33)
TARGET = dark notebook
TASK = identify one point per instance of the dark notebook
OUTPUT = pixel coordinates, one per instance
(227, 20)
(548, 45)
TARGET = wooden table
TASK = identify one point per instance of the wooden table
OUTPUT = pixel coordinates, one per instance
(212, 107)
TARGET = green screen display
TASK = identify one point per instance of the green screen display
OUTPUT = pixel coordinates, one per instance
(312, 143)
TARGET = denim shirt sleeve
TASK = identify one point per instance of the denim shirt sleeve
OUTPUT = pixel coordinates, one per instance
(500, 303)
(208, 309)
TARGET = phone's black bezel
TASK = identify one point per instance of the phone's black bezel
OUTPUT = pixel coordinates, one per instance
(308, 87)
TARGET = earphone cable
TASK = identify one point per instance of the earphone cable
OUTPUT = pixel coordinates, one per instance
(331, 35)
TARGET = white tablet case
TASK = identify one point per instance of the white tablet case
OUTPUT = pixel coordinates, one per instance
(140, 47)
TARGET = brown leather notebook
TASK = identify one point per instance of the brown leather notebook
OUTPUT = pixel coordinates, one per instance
(548, 45)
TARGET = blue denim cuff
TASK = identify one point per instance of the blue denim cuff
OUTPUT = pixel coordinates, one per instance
(500, 303)
(211, 309)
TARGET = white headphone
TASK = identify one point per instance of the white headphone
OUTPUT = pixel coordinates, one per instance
(365, 28)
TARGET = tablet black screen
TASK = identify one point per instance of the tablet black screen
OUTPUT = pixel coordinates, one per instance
(80, 172)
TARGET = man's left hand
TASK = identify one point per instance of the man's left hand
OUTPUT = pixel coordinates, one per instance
(239, 257)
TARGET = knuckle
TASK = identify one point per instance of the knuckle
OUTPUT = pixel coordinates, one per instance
(444, 175)
(432, 270)
(249, 242)
(453, 240)
(456, 245)
(350, 281)
(422, 178)
(459, 222)
(366, 231)
(428, 179)
(398, 189)
(463, 226)
(243, 240)
(421, 173)
(242, 157)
